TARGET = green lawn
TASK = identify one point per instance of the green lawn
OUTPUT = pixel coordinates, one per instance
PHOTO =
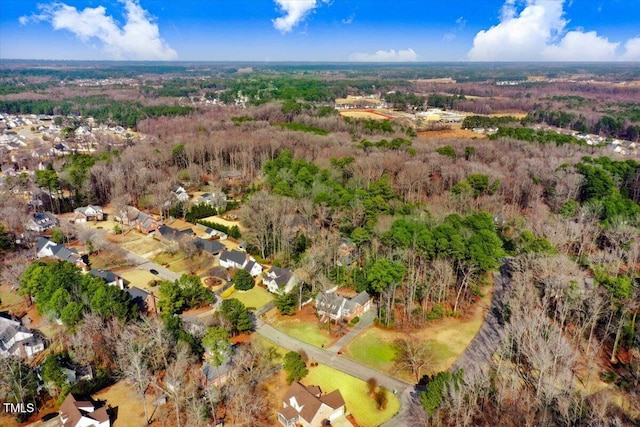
(166, 258)
(354, 391)
(308, 332)
(372, 349)
(256, 297)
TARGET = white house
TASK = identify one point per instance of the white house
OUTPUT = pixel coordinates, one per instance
(16, 340)
(181, 194)
(88, 213)
(280, 280)
(240, 260)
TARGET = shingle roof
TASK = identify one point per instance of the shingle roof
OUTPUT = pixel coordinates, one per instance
(279, 275)
(234, 256)
(308, 402)
(72, 409)
(211, 246)
(137, 295)
(105, 275)
(329, 302)
(333, 399)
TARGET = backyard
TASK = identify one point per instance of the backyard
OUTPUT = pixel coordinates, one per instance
(355, 393)
(128, 403)
(9, 299)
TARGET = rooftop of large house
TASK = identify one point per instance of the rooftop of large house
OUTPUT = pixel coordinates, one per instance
(78, 411)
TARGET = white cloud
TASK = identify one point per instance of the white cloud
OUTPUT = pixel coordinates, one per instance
(581, 46)
(138, 38)
(295, 11)
(350, 19)
(632, 50)
(538, 33)
(408, 55)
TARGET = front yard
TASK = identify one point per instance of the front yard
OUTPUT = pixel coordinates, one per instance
(253, 298)
(144, 245)
(355, 394)
(138, 278)
(311, 333)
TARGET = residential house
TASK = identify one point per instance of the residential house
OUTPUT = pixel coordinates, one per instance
(214, 247)
(280, 280)
(240, 260)
(309, 407)
(143, 222)
(88, 213)
(217, 199)
(212, 232)
(83, 412)
(147, 302)
(110, 278)
(41, 221)
(16, 340)
(170, 234)
(47, 248)
(181, 194)
(216, 375)
(333, 306)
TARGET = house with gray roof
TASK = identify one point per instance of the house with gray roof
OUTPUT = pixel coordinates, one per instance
(47, 248)
(146, 301)
(88, 213)
(109, 277)
(18, 341)
(335, 307)
(42, 221)
(240, 260)
(217, 199)
(214, 247)
(280, 280)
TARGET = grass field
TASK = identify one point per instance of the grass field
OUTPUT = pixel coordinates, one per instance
(363, 115)
(355, 395)
(447, 339)
(143, 245)
(308, 332)
(8, 298)
(139, 278)
(129, 404)
(166, 258)
(256, 297)
(374, 350)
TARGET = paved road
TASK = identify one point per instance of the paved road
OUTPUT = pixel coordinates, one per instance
(328, 358)
(144, 264)
(345, 365)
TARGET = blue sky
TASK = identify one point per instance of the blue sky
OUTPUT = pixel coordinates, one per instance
(322, 30)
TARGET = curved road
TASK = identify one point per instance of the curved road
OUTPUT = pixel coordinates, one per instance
(345, 365)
